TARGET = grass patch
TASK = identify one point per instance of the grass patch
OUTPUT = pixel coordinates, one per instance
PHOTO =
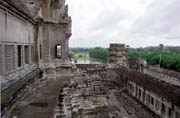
(81, 56)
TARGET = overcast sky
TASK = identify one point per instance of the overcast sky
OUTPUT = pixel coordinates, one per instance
(138, 23)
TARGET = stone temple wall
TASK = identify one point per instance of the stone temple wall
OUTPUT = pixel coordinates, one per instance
(33, 31)
(18, 67)
(33, 34)
(160, 97)
(17, 38)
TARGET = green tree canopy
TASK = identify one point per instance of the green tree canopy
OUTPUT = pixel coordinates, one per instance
(99, 53)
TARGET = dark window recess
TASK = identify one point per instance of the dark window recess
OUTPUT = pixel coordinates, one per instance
(139, 93)
(152, 100)
(163, 108)
(32, 54)
(126, 81)
(58, 52)
(169, 111)
(40, 51)
(27, 54)
(19, 49)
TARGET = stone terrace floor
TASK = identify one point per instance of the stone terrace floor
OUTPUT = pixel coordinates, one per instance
(39, 101)
(42, 98)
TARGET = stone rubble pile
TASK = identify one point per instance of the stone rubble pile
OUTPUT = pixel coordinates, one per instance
(81, 101)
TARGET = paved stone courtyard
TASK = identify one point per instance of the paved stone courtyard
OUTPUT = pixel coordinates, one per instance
(39, 101)
(77, 99)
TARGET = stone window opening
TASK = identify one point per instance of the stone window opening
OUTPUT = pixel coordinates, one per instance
(169, 112)
(19, 55)
(58, 52)
(163, 108)
(9, 58)
(26, 54)
(32, 53)
(139, 93)
(152, 101)
(126, 81)
(40, 51)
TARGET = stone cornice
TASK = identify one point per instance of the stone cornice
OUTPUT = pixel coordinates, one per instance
(9, 7)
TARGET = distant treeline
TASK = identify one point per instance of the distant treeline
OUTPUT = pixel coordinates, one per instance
(78, 49)
(99, 54)
(170, 56)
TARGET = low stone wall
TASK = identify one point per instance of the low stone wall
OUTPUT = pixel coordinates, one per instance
(10, 89)
(165, 72)
(164, 75)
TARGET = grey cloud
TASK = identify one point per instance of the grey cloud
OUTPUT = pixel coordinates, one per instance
(159, 24)
(109, 19)
(162, 18)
